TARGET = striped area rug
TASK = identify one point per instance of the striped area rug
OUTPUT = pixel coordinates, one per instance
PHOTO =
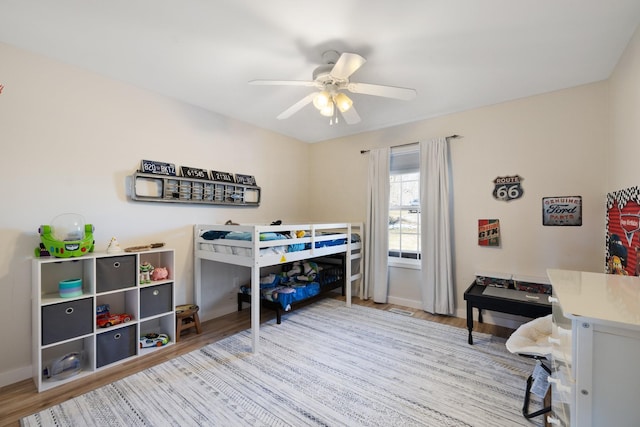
(325, 365)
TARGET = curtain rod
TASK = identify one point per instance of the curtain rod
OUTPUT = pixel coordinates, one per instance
(454, 136)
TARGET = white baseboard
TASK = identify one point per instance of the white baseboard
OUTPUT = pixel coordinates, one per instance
(16, 375)
(494, 318)
(405, 302)
(219, 312)
(488, 317)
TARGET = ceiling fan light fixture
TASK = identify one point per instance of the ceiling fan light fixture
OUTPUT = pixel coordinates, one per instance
(322, 100)
(343, 102)
(327, 110)
(329, 81)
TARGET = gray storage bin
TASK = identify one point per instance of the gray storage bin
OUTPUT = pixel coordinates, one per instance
(117, 272)
(156, 299)
(67, 320)
(115, 345)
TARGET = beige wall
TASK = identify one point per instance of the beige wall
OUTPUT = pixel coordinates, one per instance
(70, 139)
(554, 141)
(623, 145)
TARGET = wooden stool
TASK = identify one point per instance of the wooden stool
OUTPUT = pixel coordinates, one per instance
(187, 317)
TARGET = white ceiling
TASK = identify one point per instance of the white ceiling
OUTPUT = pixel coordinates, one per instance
(457, 54)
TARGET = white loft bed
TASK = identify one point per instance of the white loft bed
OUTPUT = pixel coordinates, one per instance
(256, 253)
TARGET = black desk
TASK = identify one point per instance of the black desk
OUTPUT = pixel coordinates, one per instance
(522, 305)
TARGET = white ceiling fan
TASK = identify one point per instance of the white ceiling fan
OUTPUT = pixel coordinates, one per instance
(331, 80)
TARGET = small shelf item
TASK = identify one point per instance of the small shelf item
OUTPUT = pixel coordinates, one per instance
(64, 367)
(153, 339)
(114, 246)
(105, 320)
(147, 187)
(67, 236)
(70, 288)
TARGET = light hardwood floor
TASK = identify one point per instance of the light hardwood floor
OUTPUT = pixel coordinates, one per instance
(21, 399)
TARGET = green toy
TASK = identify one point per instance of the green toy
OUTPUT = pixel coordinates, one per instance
(67, 237)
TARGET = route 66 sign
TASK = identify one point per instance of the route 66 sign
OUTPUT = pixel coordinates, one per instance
(508, 188)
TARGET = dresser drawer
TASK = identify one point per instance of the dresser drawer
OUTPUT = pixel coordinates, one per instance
(114, 273)
(156, 299)
(115, 345)
(67, 320)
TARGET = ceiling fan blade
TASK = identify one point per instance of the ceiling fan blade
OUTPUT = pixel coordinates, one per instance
(283, 83)
(347, 64)
(403, 93)
(297, 106)
(351, 116)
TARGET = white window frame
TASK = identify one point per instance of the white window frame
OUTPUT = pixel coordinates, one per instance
(407, 162)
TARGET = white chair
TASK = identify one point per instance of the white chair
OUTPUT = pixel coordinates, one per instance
(532, 340)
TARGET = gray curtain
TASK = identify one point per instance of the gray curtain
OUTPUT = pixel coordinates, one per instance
(376, 281)
(437, 275)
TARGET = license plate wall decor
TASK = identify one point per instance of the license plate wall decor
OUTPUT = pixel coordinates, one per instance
(159, 182)
(190, 172)
(245, 179)
(158, 168)
(562, 210)
(222, 176)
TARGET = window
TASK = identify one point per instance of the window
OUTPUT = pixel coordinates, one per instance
(404, 206)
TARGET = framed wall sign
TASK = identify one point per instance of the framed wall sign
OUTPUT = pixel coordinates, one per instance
(507, 188)
(222, 176)
(190, 172)
(245, 179)
(159, 168)
(562, 210)
(489, 232)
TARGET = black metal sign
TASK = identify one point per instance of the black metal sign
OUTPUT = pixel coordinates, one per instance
(158, 168)
(508, 188)
(245, 179)
(222, 176)
(190, 172)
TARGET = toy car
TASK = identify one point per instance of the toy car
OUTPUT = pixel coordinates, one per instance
(153, 340)
(105, 320)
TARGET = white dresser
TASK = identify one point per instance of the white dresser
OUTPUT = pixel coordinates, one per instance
(596, 350)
